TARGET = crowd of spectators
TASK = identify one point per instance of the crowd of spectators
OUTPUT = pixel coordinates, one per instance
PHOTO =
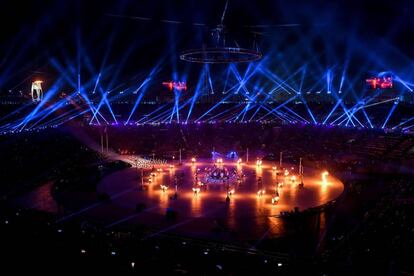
(345, 148)
(372, 227)
(33, 158)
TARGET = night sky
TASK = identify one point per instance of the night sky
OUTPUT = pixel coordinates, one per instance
(35, 32)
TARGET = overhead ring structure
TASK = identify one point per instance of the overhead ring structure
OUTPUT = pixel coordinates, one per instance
(220, 55)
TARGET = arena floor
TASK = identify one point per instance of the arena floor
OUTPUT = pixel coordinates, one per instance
(246, 217)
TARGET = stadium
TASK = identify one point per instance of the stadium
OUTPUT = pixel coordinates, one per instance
(207, 137)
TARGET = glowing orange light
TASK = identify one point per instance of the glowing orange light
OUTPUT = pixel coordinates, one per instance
(260, 192)
(275, 199)
(324, 177)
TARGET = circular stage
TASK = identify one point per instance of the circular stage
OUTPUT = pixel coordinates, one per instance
(201, 206)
